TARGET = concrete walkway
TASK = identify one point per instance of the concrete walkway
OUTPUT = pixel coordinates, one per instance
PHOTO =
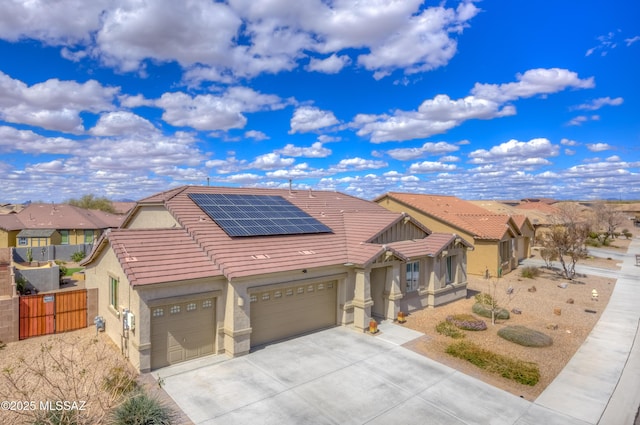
(339, 376)
(601, 383)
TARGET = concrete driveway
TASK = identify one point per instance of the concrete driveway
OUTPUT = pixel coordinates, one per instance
(340, 376)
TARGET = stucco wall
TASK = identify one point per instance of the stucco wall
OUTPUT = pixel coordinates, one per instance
(152, 217)
(9, 322)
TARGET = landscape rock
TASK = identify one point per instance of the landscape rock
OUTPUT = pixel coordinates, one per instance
(570, 301)
(552, 326)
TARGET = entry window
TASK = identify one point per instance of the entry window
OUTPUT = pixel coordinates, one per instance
(277, 294)
(206, 304)
(265, 296)
(310, 288)
(64, 234)
(449, 276)
(300, 290)
(158, 312)
(320, 286)
(289, 292)
(253, 298)
(191, 306)
(413, 276)
(113, 292)
(175, 309)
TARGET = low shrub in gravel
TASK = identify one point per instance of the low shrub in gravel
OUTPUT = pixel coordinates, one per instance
(526, 373)
(467, 322)
(530, 272)
(141, 409)
(484, 298)
(448, 329)
(485, 311)
(525, 336)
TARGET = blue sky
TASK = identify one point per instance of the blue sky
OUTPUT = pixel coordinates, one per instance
(481, 100)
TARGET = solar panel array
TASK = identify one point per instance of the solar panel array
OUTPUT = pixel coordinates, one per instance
(257, 215)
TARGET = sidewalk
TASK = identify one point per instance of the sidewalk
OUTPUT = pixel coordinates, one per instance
(599, 385)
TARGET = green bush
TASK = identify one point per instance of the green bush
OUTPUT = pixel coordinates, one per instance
(141, 409)
(448, 329)
(524, 336)
(77, 256)
(526, 373)
(484, 298)
(485, 311)
(530, 272)
(467, 322)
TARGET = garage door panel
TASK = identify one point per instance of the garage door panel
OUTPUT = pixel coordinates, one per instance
(279, 314)
(182, 331)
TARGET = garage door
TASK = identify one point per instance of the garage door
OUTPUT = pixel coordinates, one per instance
(182, 331)
(286, 312)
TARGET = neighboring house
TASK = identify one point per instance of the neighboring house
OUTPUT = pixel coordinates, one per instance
(205, 270)
(494, 236)
(40, 225)
(526, 237)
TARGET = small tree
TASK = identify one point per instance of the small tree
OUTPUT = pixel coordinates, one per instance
(607, 219)
(567, 238)
(90, 202)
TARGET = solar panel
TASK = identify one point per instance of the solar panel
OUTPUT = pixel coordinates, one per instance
(257, 215)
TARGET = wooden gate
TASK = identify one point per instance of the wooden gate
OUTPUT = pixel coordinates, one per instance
(46, 314)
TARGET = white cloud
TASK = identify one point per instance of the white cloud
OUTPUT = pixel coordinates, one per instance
(568, 142)
(331, 65)
(632, 40)
(605, 43)
(122, 123)
(310, 118)
(226, 166)
(581, 119)
(353, 164)
(430, 167)
(216, 112)
(53, 104)
(598, 147)
(316, 150)
(533, 82)
(256, 135)
(434, 116)
(596, 104)
(271, 161)
(26, 141)
(428, 148)
(517, 152)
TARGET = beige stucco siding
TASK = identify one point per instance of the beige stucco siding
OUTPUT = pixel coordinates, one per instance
(152, 217)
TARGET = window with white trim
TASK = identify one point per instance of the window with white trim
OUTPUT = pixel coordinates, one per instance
(113, 292)
(449, 275)
(413, 276)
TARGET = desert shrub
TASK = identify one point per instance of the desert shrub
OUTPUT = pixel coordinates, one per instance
(593, 242)
(526, 373)
(448, 329)
(63, 269)
(2, 345)
(524, 336)
(142, 409)
(77, 256)
(57, 417)
(485, 311)
(467, 322)
(484, 298)
(119, 381)
(530, 272)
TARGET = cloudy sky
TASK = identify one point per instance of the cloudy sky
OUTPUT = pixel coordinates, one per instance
(482, 100)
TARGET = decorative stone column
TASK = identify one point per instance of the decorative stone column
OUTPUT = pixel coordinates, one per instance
(237, 330)
(395, 292)
(362, 301)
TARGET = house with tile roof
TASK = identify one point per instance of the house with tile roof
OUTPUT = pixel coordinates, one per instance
(202, 270)
(522, 219)
(41, 225)
(494, 236)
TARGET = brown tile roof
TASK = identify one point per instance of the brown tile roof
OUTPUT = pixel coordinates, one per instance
(10, 222)
(464, 215)
(432, 245)
(65, 216)
(159, 255)
(354, 223)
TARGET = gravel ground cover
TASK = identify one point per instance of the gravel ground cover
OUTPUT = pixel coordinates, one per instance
(557, 307)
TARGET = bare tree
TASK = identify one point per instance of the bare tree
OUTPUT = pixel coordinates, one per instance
(607, 219)
(567, 238)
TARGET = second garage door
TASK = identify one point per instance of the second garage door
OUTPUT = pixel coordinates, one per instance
(182, 331)
(281, 313)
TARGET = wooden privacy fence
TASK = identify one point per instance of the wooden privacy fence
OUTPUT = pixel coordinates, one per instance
(46, 314)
